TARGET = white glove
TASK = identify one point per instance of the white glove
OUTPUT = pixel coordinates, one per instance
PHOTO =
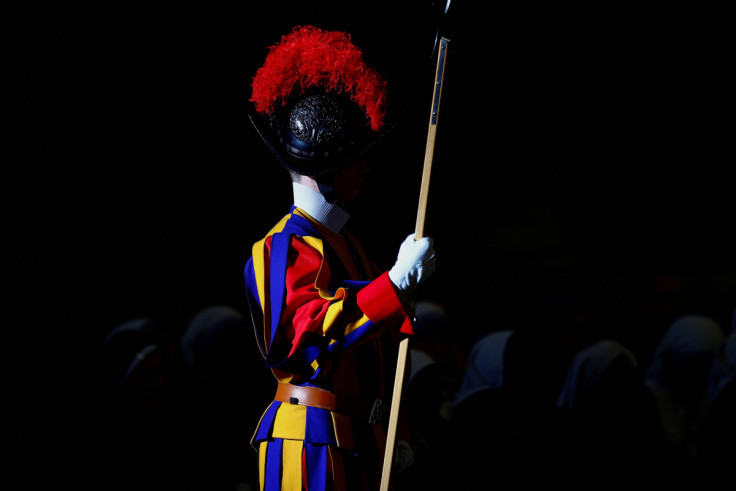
(414, 264)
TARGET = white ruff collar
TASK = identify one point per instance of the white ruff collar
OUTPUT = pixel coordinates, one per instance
(314, 204)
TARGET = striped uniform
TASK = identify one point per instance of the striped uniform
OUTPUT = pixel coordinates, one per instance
(331, 320)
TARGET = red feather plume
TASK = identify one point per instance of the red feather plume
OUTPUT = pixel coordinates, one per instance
(310, 57)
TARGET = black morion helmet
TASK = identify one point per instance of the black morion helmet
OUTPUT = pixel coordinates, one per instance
(319, 107)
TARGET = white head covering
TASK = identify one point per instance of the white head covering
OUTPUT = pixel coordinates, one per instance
(485, 365)
(689, 336)
(587, 367)
(724, 368)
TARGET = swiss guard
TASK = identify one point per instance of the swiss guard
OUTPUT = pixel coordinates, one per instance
(327, 321)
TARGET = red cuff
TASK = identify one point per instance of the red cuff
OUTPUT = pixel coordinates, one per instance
(380, 302)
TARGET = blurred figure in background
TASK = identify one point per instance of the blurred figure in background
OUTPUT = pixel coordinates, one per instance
(504, 418)
(478, 417)
(214, 346)
(716, 435)
(136, 365)
(485, 368)
(678, 382)
(611, 425)
(139, 443)
(436, 371)
(678, 375)
(227, 391)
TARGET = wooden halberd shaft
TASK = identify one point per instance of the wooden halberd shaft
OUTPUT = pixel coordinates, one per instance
(418, 234)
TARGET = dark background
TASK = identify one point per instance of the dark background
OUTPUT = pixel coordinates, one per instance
(583, 140)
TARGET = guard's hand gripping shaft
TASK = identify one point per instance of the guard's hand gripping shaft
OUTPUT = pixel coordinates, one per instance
(414, 264)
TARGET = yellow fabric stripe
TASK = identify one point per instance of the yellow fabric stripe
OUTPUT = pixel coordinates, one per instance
(262, 463)
(279, 226)
(259, 268)
(259, 260)
(282, 377)
(334, 311)
(291, 465)
(352, 326)
(258, 252)
(259, 257)
(290, 422)
(314, 242)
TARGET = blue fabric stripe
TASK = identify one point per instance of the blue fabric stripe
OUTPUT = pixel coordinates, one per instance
(274, 457)
(250, 281)
(280, 243)
(300, 362)
(354, 285)
(254, 303)
(277, 276)
(319, 426)
(300, 226)
(309, 352)
(316, 456)
(357, 336)
(266, 426)
(360, 333)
